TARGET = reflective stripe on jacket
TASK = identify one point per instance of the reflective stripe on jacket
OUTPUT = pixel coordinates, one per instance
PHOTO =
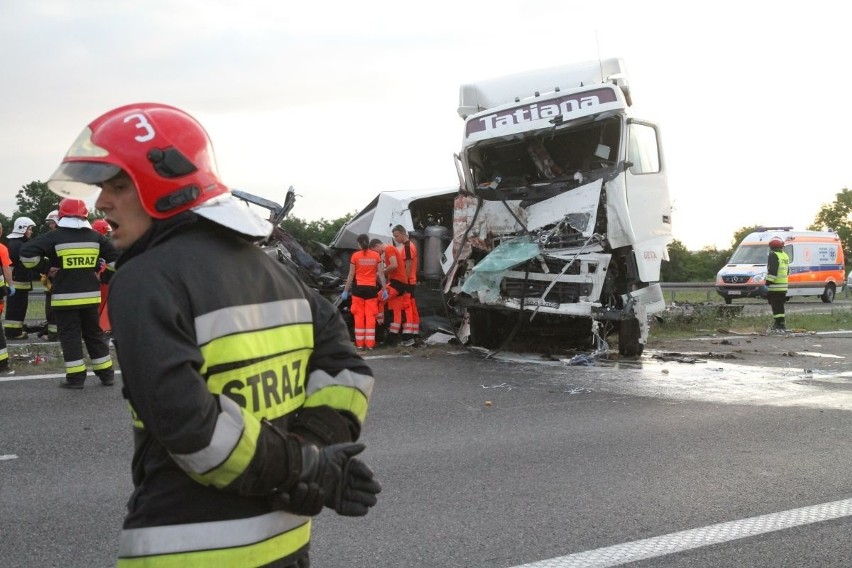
(778, 267)
(76, 253)
(228, 337)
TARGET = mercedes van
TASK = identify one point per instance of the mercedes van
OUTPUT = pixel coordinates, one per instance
(816, 265)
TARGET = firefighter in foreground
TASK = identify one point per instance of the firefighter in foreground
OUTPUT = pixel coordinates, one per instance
(777, 269)
(246, 394)
(74, 248)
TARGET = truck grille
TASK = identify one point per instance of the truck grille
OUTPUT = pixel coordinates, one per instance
(554, 266)
(562, 292)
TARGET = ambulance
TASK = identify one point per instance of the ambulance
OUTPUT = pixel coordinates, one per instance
(816, 265)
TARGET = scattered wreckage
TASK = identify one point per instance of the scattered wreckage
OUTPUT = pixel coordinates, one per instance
(557, 230)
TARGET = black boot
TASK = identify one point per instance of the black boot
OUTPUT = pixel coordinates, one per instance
(392, 339)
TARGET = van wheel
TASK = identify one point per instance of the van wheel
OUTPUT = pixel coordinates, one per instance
(828, 295)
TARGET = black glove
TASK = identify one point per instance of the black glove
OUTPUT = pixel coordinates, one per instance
(332, 477)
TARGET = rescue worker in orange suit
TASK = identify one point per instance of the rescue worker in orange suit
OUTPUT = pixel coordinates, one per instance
(22, 280)
(47, 282)
(75, 248)
(364, 269)
(245, 392)
(408, 256)
(398, 297)
(378, 247)
(777, 270)
(104, 275)
(5, 291)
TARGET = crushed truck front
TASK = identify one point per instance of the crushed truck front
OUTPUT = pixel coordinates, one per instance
(566, 214)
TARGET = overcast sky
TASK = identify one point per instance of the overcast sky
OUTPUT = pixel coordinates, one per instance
(346, 99)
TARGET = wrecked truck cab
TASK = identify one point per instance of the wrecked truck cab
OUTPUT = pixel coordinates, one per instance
(566, 215)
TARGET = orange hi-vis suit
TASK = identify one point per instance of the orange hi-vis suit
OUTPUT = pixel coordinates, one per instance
(398, 296)
(408, 256)
(5, 260)
(365, 302)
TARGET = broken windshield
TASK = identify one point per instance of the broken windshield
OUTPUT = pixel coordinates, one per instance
(558, 159)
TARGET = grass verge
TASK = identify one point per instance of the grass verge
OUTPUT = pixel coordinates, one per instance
(704, 322)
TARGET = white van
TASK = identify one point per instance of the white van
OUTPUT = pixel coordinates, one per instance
(816, 265)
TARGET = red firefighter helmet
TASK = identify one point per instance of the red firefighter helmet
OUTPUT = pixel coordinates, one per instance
(776, 242)
(101, 226)
(168, 156)
(69, 207)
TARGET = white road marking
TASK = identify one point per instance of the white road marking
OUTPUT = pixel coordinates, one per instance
(8, 457)
(11, 378)
(696, 538)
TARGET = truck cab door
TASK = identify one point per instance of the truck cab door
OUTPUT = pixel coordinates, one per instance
(646, 183)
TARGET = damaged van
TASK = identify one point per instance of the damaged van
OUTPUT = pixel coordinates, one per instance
(564, 217)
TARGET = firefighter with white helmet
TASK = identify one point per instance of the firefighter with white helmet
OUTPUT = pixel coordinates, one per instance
(50, 333)
(22, 279)
(777, 271)
(245, 391)
(51, 219)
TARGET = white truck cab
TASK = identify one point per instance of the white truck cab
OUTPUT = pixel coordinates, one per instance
(565, 214)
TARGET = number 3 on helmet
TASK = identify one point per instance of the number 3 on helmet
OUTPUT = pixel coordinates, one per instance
(169, 158)
(165, 151)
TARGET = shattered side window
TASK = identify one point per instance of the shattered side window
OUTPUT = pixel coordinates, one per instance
(643, 149)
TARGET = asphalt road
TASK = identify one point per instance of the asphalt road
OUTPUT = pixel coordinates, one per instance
(492, 463)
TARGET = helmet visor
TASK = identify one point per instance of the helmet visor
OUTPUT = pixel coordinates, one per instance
(79, 179)
(75, 176)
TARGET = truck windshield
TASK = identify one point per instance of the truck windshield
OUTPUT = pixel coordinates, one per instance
(570, 155)
(750, 254)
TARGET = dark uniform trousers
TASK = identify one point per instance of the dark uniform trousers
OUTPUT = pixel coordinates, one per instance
(71, 324)
(16, 312)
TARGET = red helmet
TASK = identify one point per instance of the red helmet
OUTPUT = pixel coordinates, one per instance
(169, 158)
(166, 153)
(776, 242)
(73, 208)
(101, 226)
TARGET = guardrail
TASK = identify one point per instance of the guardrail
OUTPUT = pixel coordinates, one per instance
(672, 287)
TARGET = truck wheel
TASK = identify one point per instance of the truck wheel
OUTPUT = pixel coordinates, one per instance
(629, 334)
(828, 295)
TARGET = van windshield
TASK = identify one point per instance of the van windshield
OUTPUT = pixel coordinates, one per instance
(750, 254)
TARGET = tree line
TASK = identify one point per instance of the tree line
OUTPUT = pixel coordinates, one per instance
(35, 201)
(702, 265)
